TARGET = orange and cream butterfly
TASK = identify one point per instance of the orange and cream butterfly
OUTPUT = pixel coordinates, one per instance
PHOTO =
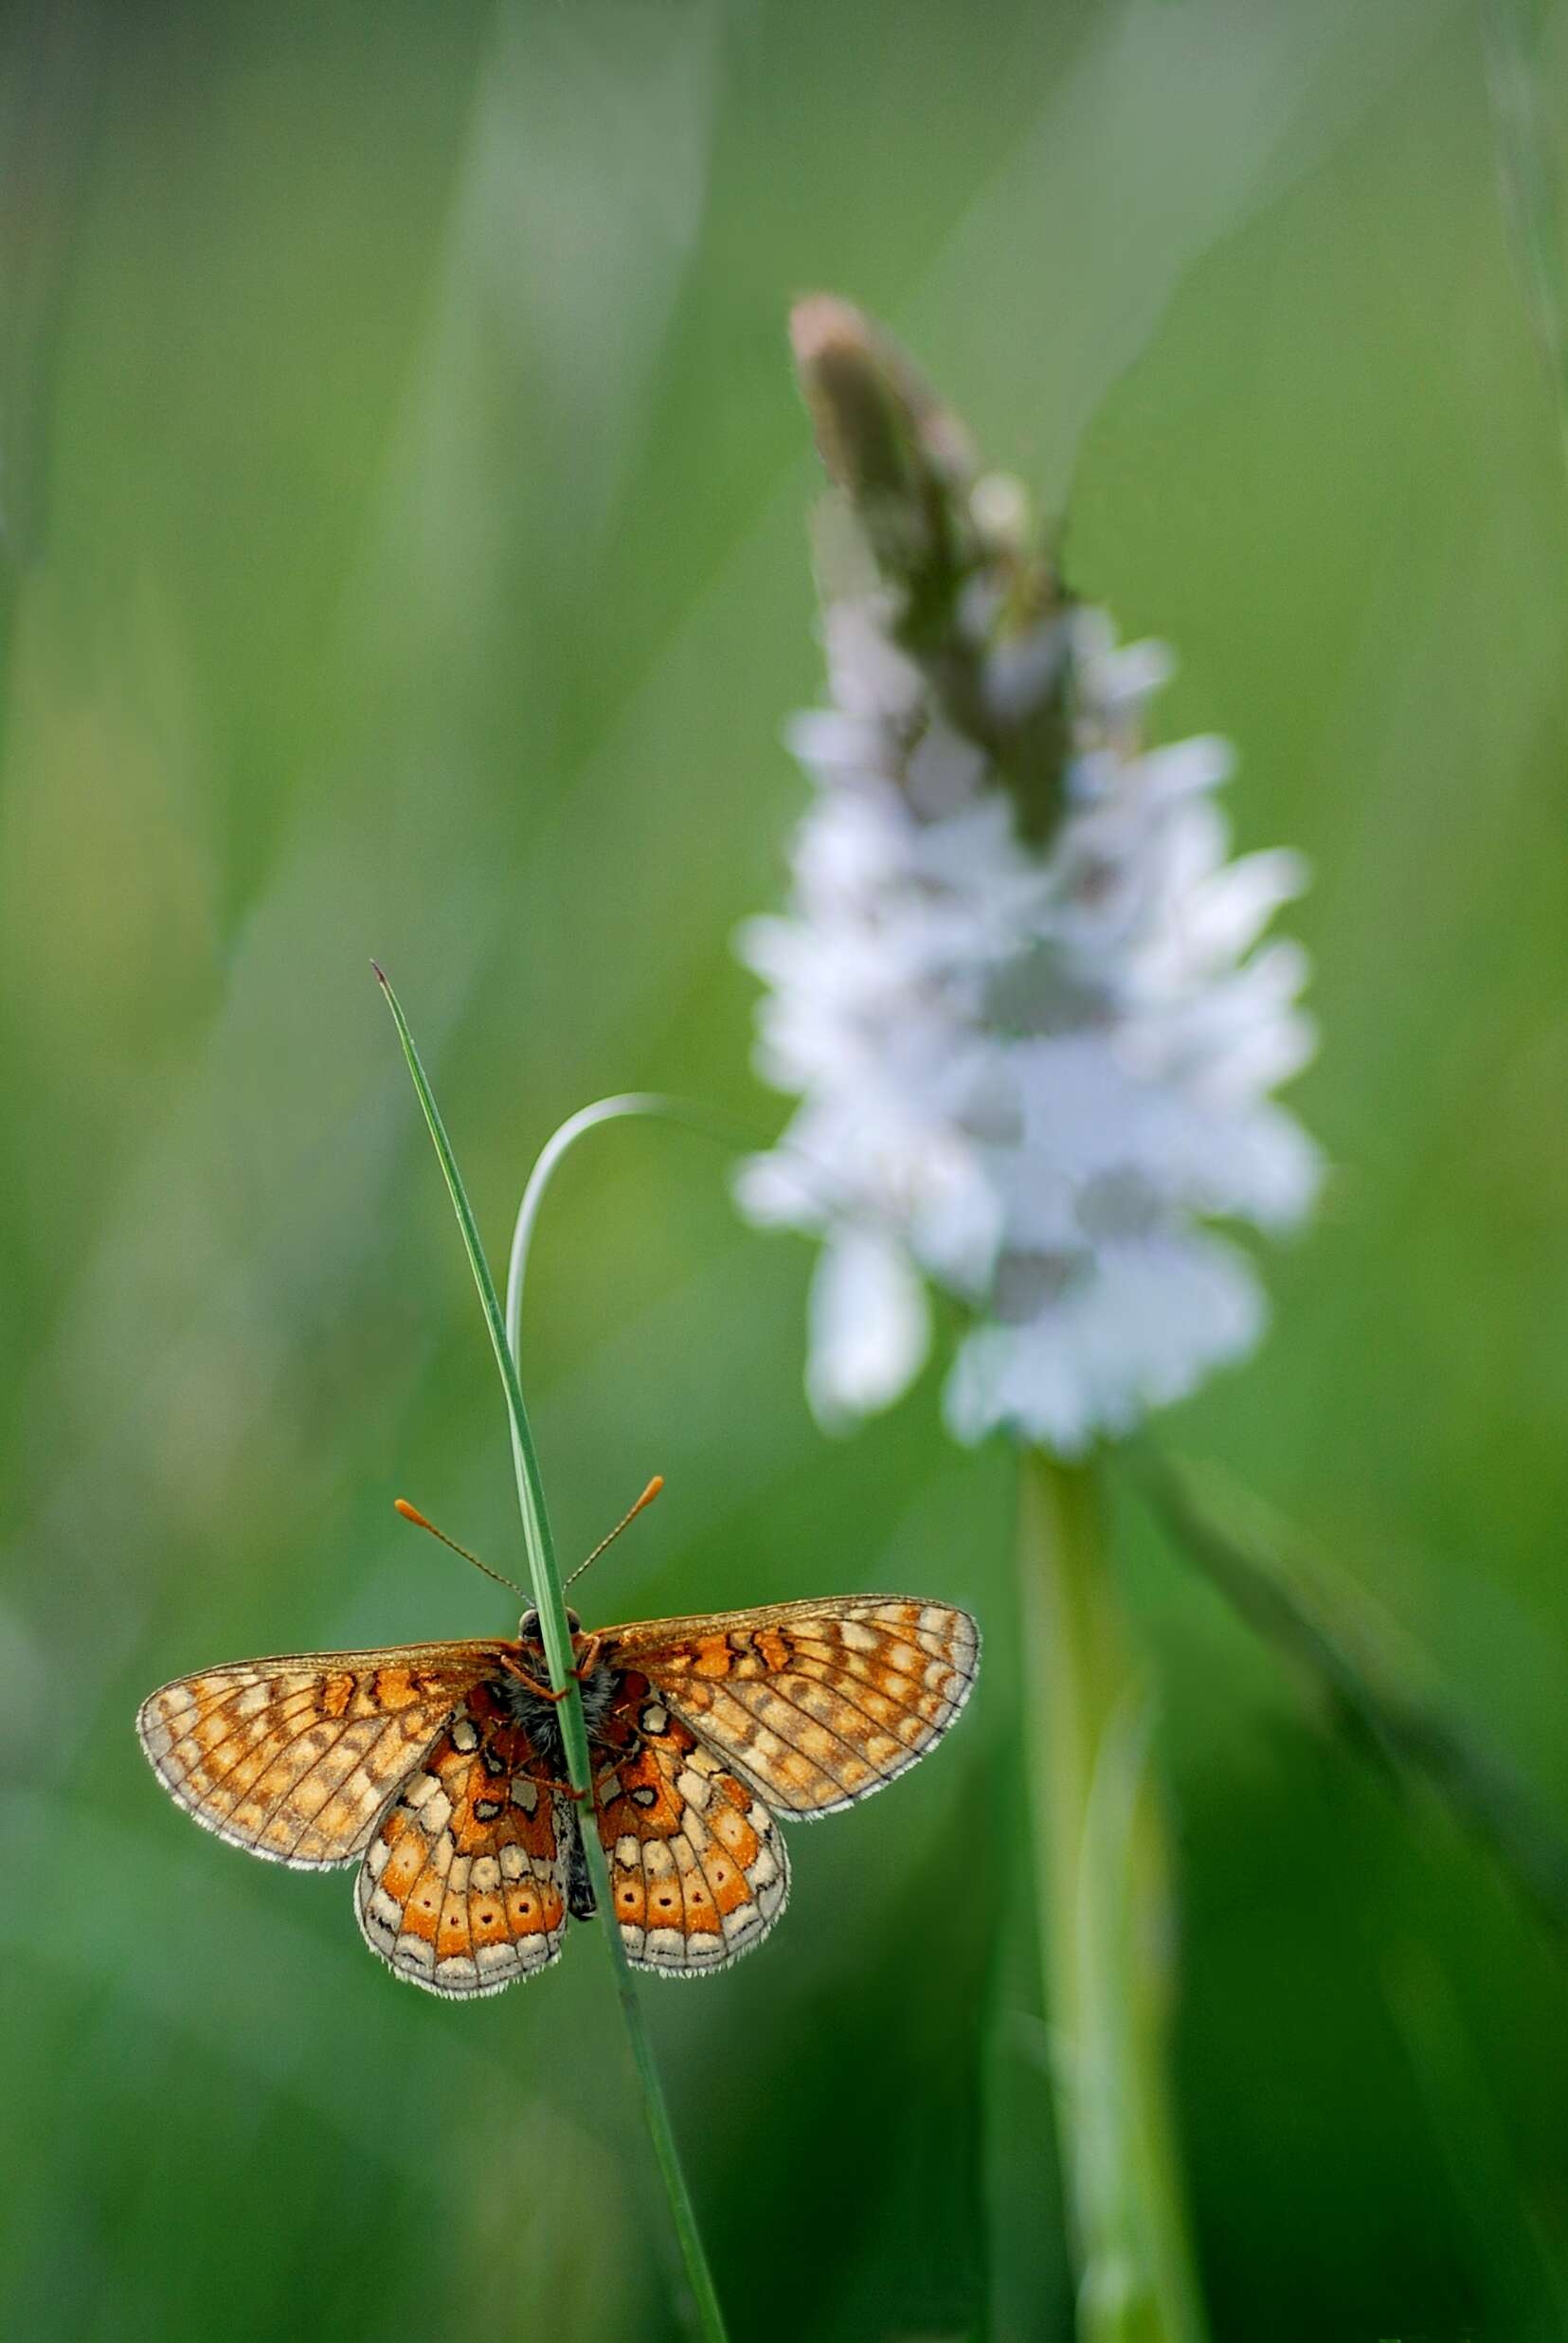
(440, 1769)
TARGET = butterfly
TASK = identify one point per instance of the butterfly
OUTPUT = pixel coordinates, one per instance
(440, 1769)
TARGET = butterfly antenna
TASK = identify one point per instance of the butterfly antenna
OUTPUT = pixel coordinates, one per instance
(647, 1499)
(412, 1513)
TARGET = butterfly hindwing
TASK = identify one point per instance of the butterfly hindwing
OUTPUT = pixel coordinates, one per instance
(466, 1885)
(294, 1759)
(812, 1705)
(698, 1871)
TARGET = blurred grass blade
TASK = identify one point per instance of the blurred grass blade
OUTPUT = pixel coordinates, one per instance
(1379, 1682)
(1528, 186)
(1028, 2276)
(555, 1628)
(1495, 2193)
(51, 75)
(1102, 1881)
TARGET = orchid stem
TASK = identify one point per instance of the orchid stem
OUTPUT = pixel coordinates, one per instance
(1101, 1878)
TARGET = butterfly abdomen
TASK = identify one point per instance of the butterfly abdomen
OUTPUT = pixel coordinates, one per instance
(581, 1901)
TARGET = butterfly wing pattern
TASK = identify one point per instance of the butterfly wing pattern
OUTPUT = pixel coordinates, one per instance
(804, 1707)
(465, 1885)
(295, 1758)
(814, 1704)
(435, 1765)
(698, 1872)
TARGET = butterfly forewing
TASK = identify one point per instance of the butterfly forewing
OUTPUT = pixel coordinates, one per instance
(294, 1759)
(698, 1872)
(465, 1883)
(812, 1705)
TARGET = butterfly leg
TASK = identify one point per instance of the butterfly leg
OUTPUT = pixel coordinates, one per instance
(590, 1659)
(532, 1684)
(581, 1673)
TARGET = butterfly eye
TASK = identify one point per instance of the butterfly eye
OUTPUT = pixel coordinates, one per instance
(528, 1627)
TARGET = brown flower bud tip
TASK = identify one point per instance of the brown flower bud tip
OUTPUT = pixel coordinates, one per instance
(821, 322)
(880, 427)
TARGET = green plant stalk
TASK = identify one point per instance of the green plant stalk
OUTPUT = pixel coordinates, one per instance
(1102, 1883)
(545, 1578)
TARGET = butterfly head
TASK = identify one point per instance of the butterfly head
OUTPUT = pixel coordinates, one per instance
(528, 1627)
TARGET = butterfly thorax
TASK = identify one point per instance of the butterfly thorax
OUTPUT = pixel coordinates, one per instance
(540, 1720)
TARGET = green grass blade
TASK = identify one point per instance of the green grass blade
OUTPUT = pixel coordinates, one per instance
(546, 1579)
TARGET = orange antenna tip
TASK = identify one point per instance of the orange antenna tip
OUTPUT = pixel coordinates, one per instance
(412, 1513)
(647, 1499)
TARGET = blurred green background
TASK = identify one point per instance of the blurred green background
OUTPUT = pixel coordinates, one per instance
(404, 496)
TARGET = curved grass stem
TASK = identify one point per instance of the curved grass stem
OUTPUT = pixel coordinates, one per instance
(545, 1578)
(710, 1122)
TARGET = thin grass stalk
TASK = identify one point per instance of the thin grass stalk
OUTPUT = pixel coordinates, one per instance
(1101, 1878)
(544, 1579)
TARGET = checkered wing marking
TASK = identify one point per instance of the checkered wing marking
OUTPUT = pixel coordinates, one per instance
(698, 1872)
(294, 1759)
(464, 1884)
(812, 1705)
